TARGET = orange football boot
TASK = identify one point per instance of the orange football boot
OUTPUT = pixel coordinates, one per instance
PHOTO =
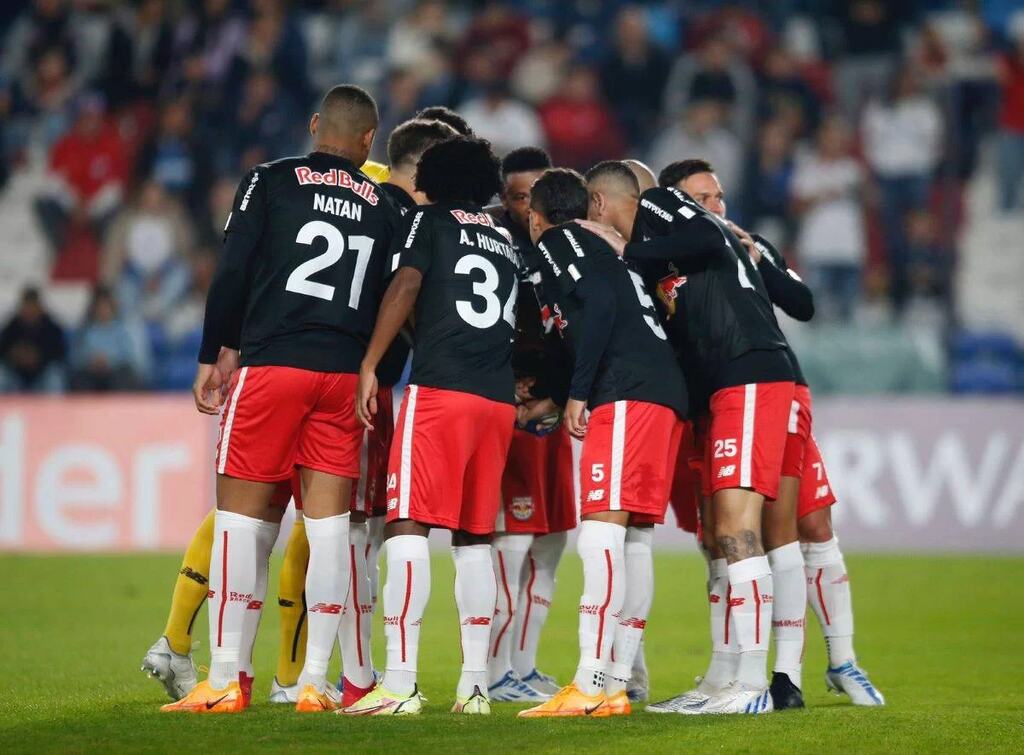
(205, 699)
(570, 701)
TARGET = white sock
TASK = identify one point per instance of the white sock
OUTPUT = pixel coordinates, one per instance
(536, 590)
(508, 553)
(636, 605)
(788, 609)
(327, 587)
(405, 597)
(265, 540)
(828, 592)
(750, 611)
(374, 541)
(639, 662)
(354, 631)
(233, 569)
(601, 546)
(725, 651)
(475, 593)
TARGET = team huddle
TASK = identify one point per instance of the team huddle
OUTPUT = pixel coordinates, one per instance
(593, 348)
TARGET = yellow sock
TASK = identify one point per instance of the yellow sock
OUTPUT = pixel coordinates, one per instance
(291, 598)
(190, 588)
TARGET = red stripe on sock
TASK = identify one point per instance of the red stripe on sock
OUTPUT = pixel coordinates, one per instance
(728, 612)
(607, 600)
(529, 603)
(508, 602)
(223, 590)
(405, 608)
(821, 597)
(355, 605)
(757, 614)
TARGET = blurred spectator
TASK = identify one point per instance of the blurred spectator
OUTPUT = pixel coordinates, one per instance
(206, 43)
(633, 75)
(40, 103)
(783, 93)
(399, 105)
(929, 259)
(351, 44)
(105, 355)
(764, 204)
(138, 52)
(177, 159)
(267, 125)
(144, 259)
(506, 122)
(274, 44)
(500, 32)
(1011, 126)
(870, 42)
(414, 37)
(902, 142)
(580, 127)
(827, 188)
(541, 71)
(44, 26)
(87, 175)
(32, 349)
(179, 339)
(700, 134)
(713, 73)
(210, 223)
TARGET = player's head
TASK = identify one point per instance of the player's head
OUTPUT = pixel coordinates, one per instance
(461, 169)
(645, 177)
(697, 178)
(346, 122)
(613, 193)
(520, 168)
(558, 196)
(445, 115)
(406, 146)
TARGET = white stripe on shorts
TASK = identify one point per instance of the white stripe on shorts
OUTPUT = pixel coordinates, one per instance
(747, 443)
(406, 468)
(225, 440)
(618, 448)
(794, 417)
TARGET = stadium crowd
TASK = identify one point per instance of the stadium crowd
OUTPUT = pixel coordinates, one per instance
(846, 131)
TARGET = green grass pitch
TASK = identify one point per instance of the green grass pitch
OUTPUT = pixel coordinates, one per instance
(941, 636)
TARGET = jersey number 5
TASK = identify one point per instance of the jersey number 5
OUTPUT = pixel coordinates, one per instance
(299, 282)
(650, 316)
(486, 290)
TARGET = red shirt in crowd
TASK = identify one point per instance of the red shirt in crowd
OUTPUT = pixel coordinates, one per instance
(89, 162)
(1011, 109)
(580, 133)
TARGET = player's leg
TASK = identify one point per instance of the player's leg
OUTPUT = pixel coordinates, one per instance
(354, 631)
(638, 558)
(291, 601)
(509, 552)
(374, 543)
(169, 659)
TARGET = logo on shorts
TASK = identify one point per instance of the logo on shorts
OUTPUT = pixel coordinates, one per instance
(392, 481)
(821, 492)
(596, 495)
(727, 471)
(522, 508)
(392, 504)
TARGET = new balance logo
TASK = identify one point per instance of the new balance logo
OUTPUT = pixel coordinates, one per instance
(326, 608)
(392, 504)
(736, 602)
(255, 605)
(714, 598)
(634, 623)
(596, 495)
(727, 471)
(476, 621)
(540, 601)
(820, 492)
(192, 574)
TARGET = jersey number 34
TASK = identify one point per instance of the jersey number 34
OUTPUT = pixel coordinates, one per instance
(486, 290)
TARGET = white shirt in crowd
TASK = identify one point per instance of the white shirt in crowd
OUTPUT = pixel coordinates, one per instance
(506, 123)
(902, 138)
(832, 230)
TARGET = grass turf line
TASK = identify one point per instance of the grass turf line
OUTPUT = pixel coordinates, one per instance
(937, 635)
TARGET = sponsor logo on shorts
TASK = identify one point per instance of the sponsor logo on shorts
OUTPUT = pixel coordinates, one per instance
(326, 608)
(477, 621)
(522, 507)
(392, 504)
(820, 492)
(392, 481)
(596, 495)
(727, 471)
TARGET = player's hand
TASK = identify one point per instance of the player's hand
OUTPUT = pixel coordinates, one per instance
(575, 417)
(610, 236)
(523, 386)
(535, 409)
(366, 397)
(747, 240)
(207, 389)
(227, 363)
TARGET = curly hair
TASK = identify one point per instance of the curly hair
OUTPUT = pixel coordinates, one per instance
(462, 169)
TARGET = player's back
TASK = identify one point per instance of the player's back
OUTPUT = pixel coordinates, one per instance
(466, 310)
(324, 231)
(638, 362)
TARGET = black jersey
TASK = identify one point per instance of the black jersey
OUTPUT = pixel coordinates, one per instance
(391, 366)
(466, 309)
(786, 290)
(302, 270)
(730, 325)
(620, 350)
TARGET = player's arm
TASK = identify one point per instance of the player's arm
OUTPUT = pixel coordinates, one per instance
(784, 287)
(597, 312)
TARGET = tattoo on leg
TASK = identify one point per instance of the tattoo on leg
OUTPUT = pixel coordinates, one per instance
(744, 545)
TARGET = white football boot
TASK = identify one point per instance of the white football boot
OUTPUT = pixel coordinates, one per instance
(853, 681)
(511, 689)
(174, 671)
(543, 683)
(284, 695)
(735, 698)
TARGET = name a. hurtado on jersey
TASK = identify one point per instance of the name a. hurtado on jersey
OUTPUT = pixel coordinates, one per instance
(337, 206)
(483, 241)
(335, 177)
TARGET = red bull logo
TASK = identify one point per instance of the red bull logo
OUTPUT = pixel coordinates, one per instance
(667, 288)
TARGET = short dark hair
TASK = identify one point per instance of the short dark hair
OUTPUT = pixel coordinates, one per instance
(348, 109)
(523, 159)
(560, 195)
(410, 140)
(680, 170)
(615, 169)
(461, 169)
(445, 115)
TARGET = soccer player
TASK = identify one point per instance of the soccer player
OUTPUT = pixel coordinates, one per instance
(805, 495)
(625, 372)
(733, 336)
(537, 489)
(301, 310)
(447, 116)
(459, 273)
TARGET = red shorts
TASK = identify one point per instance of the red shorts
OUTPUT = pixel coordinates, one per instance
(537, 486)
(446, 462)
(629, 454)
(815, 489)
(686, 482)
(369, 494)
(799, 429)
(747, 437)
(279, 418)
